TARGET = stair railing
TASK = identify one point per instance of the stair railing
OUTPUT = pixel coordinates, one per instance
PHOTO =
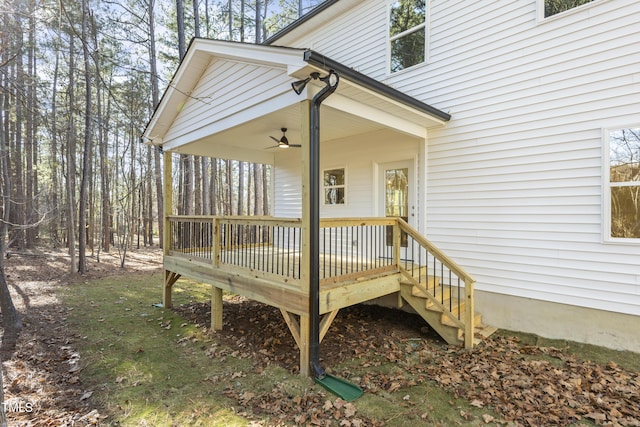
(437, 276)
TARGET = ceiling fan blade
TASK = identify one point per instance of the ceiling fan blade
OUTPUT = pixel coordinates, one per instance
(275, 146)
(274, 138)
(295, 145)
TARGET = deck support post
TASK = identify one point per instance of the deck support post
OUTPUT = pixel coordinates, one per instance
(305, 271)
(169, 277)
(305, 338)
(216, 309)
(469, 314)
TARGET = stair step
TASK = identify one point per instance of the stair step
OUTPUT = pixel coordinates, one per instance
(486, 331)
(445, 326)
(445, 320)
(428, 282)
(420, 292)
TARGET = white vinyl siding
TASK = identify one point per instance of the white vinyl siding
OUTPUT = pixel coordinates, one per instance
(363, 152)
(514, 184)
(514, 180)
(216, 98)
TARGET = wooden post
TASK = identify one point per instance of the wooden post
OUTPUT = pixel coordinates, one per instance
(397, 241)
(306, 208)
(216, 308)
(168, 202)
(305, 369)
(469, 326)
(305, 274)
(216, 243)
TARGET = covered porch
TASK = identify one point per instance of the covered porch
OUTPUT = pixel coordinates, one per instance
(225, 101)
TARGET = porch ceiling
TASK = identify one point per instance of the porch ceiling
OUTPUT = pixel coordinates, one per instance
(227, 98)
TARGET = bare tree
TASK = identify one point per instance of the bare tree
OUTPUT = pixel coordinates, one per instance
(88, 139)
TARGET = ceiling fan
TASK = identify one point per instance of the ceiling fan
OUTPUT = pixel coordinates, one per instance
(283, 142)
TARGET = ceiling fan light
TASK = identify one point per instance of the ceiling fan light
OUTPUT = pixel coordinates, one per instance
(283, 144)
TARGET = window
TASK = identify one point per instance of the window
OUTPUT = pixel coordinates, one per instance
(407, 33)
(624, 183)
(553, 7)
(334, 186)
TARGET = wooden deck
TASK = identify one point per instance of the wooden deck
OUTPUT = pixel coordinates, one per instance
(361, 260)
(343, 283)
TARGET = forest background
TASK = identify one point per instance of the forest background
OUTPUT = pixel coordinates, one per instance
(79, 80)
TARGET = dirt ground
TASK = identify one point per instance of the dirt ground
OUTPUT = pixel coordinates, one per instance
(526, 385)
(42, 382)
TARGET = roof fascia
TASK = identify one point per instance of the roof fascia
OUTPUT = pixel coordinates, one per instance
(205, 50)
(373, 85)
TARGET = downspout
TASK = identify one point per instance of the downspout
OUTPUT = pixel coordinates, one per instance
(331, 83)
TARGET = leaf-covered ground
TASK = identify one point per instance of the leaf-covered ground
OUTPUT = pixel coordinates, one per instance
(43, 381)
(524, 384)
(388, 353)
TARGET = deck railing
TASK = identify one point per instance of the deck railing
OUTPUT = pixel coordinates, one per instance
(444, 282)
(349, 249)
(191, 236)
(268, 245)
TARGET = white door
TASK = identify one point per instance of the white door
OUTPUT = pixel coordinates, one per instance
(398, 196)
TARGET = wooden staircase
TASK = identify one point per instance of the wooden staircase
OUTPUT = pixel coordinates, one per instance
(443, 308)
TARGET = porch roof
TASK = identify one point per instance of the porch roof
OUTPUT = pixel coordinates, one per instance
(227, 98)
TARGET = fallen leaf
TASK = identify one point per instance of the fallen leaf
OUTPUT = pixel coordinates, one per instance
(596, 416)
(487, 418)
(477, 403)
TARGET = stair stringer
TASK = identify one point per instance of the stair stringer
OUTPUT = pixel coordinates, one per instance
(451, 334)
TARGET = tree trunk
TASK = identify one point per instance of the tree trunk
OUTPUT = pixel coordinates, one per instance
(180, 22)
(240, 188)
(265, 192)
(55, 204)
(18, 211)
(206, 186)
(258, 23)
(215, 194)
(30, 151)
(230, 22)
(196, 19)
(229, 188)
(87, 146)
(257, 191)
(197, 187)
(188, 185)
(71, 160)
(155, 97)
(10, 319)
(242, 20)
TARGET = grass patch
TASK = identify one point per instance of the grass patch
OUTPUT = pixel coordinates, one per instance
(146, 365)
(149, 366)
(585, 352)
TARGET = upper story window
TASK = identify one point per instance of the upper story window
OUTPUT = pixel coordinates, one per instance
(553, 7)
(624, 183)
(407, 33)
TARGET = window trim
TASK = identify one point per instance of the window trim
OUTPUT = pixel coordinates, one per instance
(540, 10)
(425, 26)
(607, 186)
(343, 186)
